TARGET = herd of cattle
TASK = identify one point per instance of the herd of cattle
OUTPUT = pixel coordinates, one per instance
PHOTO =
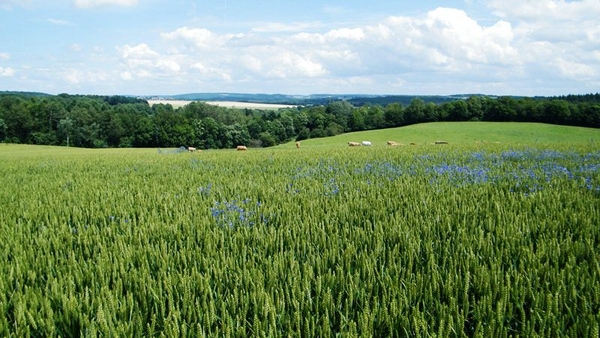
(389, 143)
(351, 144)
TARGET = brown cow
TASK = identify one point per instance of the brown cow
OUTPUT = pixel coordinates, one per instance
(298, 145)
(354, 144)
(441, 142)
(392, 143)
(242, 148)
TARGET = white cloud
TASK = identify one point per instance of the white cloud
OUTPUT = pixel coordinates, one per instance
(141, 61)
(198, 38)
(8, 4)
(210, 73)
(7, 72)
(557, 38)
(76, 76)
(138, 52)
(280, 27)
(443, 50)
(445, 39)
(96, 3)
(127, 76)
(59, 22)
(546, 10)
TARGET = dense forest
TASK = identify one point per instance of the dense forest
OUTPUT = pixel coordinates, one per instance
(118, 121)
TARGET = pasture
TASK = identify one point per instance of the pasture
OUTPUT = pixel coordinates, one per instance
(463, 239)
(466, 133)
(228, 104)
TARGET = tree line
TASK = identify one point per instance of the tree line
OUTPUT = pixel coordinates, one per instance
(118, 121)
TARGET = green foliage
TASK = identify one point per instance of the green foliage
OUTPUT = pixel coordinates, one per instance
(115, 121)
(480, 240)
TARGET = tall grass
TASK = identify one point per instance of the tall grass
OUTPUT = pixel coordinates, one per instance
(446, 241)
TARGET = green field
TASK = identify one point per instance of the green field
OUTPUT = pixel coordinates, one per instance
(465, 133)
(464, 239)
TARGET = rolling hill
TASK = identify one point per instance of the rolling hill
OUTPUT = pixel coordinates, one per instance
(466, 133)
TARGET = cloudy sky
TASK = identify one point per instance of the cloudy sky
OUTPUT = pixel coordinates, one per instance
(150, 47)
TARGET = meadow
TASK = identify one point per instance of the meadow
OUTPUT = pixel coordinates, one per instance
(464, 239)
(229, 104)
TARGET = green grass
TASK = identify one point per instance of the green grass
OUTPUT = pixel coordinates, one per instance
(447, 241)
(511, 133)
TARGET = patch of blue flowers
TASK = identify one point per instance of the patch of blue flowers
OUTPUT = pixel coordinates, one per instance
(459, 174)
(525, 171)
(385, 170)
(238, 214)
(205, 191)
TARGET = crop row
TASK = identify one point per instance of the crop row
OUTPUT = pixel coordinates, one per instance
(373, 242)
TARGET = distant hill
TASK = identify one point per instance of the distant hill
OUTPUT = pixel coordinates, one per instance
(313, 99)
(27, 94)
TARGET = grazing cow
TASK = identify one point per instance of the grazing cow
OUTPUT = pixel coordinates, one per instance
(353, 144)
(298, 145)
(413, 144)
(441, 142)
(366, 143)
(242, 148)
(392, 143)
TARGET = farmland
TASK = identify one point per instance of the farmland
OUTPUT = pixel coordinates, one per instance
(464, 239)
(228, 104)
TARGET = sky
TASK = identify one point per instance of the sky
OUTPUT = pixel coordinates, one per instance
(389, 47)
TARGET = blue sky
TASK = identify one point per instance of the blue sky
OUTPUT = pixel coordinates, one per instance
(160, 47)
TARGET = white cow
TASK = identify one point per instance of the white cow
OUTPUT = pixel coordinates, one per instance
(366, 143)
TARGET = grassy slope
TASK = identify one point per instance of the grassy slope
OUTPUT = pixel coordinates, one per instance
(462, 133)
(465, 133)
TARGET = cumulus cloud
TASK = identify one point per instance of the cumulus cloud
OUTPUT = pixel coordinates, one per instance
(97, 3)
(393, 54)
(556, 37)
(198, 38)
(76, 76)
(141, 61)
(445, 39)
(7, 72)
(546, 10)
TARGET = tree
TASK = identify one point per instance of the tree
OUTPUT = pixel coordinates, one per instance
(341, 111)
(500, 109)
(357, 120)
(475, 108)
(211, 134)
(375, 118)
(457, 110)
(433, 113)
(65, 128)
(334, 129)
(415, 112)
(557, 111)
(267, 139)
(394, 115)
(303, 134)
(144, 132)
(3, 128)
